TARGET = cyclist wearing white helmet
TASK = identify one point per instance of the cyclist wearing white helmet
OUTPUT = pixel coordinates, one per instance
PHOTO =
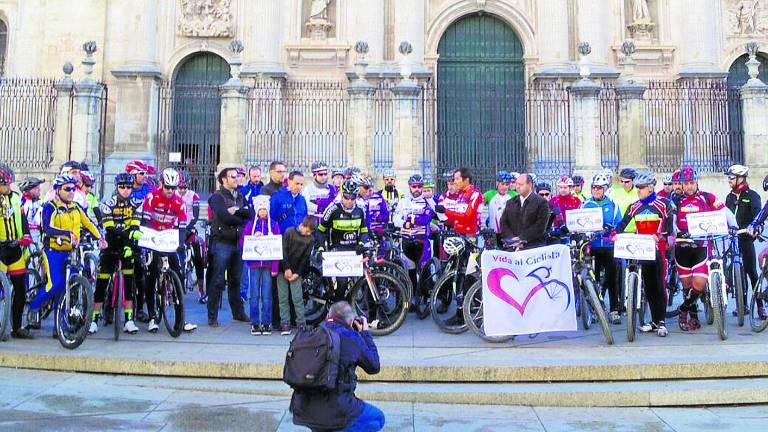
(564, 201)
(668, 187)
(744, 203)
(413, 216)
(602, 247)
(319, 193)
(390, 193)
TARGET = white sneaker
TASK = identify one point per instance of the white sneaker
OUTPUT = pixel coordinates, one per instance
(188, 327)
(374, 324)
(648, 327)
(153, 327)
(130, 327)
(661, 331)
(93, 328)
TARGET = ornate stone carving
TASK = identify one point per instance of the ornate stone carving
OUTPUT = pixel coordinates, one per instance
(319, 24)
(205, 18)
(748, 17)
(641, 26)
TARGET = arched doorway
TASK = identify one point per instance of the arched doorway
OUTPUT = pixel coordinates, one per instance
(738, 75)
(480, 98)
(197, 117)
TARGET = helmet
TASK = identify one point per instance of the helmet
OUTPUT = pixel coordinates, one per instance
(6, 174)
(87, 178)
(578, 180)
(62, 180)
(645, 178)
(416, 179)
(543, 186)
(453, 245)
(429, 183)
(676, 176)
(151, 169)
(628, 173)
(136, 167)
(123, 178)
(447, 176)
(689, 174)
(347, 172)
(533, 177)
(186, 179)
(68, 166)
(29, 183)
(240, 170)
(357, 177)
(170, 177)
(336, 172)
(765, 183)
(388, 173)
(363, 180)
(667, 179)
(350, 187)
(514, 175)
(601, 180)
(565, 181)
(319, 167)
(503, 177)
(737, 170)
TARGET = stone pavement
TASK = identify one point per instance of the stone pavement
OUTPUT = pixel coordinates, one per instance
(39, 400)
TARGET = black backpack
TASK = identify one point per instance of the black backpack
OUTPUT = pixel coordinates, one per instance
(312, 360)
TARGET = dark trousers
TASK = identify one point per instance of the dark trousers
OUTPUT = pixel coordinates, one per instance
(604, 262)
(154, 274)
(19, 283)
(653, 283)
(747, 249)
(225, 258)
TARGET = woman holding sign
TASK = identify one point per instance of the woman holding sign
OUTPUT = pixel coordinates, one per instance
(653, 216)
(260, 272)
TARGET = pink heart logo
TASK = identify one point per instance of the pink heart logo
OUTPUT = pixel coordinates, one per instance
(494, 286)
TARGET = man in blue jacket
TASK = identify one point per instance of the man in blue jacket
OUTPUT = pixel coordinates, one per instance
(288, 206)
(602, 248)
(340, 409)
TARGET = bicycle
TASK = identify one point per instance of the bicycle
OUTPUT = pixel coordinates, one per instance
(391, 259)
(757, 322)
(6, 296)
(114, 307)
(583, 267)
(427, 276)
(168, 292)
(88, 255)
(735, 275)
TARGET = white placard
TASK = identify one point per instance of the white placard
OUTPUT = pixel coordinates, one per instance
(528, 292)
(641, 247)
(159, 241)
(586, 220)
(263, 248)
(705, 224)
(174, 157)
(342, 264)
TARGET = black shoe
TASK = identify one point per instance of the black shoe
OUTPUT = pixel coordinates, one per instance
(142, 316)
(212, 322)
(22, 333)
(241, 318)
(266, 329)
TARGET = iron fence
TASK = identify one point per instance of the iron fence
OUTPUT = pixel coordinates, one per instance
(609, 126)
(297, 122)
(27, 122)
(383, 126)
(696, 123)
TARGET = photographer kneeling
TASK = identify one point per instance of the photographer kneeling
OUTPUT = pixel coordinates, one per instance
(340, 409)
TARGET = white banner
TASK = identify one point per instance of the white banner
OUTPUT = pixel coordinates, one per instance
(640, 247)
(263, 248)
(705, 224)
(159, 241)
(342, 264)
(528, 292)
(587, 220)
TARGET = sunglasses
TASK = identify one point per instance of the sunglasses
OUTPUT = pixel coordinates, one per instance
(170, 187)
(545, 194)
(731, 177)
(124, 186)
(626, 181)
(349, 196)
(322, 174)
(668, 184)
(417, 187)
(597, 187)
(642, 187)
(68, 189)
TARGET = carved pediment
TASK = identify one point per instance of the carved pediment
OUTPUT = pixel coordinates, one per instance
(205, 18)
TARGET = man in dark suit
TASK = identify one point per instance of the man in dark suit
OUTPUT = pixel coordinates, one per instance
(525, 216)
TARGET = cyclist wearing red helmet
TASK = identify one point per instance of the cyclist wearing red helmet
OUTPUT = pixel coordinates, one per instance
(564, 201)
(138, 169)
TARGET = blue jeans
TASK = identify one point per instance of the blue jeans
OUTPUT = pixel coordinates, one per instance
(260, 300)
(244, 284)
(371, 419)
(225, 258)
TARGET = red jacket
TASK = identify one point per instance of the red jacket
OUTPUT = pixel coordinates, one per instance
(464, 215)
(161, 213)
(561, 204)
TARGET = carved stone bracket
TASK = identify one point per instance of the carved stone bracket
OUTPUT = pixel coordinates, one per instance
(205, 18)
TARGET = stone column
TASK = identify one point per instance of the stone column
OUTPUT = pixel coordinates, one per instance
(698, 42)
(592, 16)
(552, 38)
(632, 149)
(61, 133)
(409, 26)
(408, 131)
(234, 113)
(360, 125)
(754, 106)
(586, 128)
(267, 24)
(87, 113)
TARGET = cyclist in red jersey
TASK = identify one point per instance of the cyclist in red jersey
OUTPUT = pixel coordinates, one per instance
(464, 215)
(564, 201)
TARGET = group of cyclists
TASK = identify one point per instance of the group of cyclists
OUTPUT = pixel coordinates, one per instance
(353, 216)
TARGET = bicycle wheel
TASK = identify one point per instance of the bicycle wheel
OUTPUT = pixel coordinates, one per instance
(446, 303)
(313, 289)
(389, 311)
(473, 314)
(737, 275)
(398, 272)
(90, 268)
(758, 293)
(428, 277)
(585, 310)
(718, 303)
(6, 294)
(597, 311)
(172, 303)
(708, 312)
(117, 308)
(632, 285)
(73, 317)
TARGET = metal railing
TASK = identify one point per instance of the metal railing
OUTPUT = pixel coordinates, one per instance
(27, 122)
(383, 126)
(695, 123)
(297, 122)
(609, 126)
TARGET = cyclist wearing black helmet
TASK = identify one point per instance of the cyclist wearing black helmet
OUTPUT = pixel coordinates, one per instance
(32, 206)
(627, 194)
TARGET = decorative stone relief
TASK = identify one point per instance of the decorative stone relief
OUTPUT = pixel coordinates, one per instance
(640, 20)
(205, 18)
(318, 23)
(747, 18)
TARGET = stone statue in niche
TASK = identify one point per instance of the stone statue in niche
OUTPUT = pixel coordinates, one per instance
(747, 17)
(640, 12)
(205, 18)
(319, 25)
(641, 27)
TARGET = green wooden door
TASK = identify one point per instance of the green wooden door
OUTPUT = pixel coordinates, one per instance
(480, 98)
(197, 116)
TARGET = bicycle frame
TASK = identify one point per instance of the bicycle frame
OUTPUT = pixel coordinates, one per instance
(634, 267)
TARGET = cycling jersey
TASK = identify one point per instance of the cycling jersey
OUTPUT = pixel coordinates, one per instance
(653, 215)
(79, 198)
(391, 197)
(413, 216)
(696, 203)
(161, 213)
(343, 229)
(465, 212)
(60, 220)
(141, 192)
(319, 197)
(744, 203)
(191, 206)
(562, 203)
(120, 215)
(496, 209)
(376, 212)
(32, 210)
(623, 198)
(611, 216)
